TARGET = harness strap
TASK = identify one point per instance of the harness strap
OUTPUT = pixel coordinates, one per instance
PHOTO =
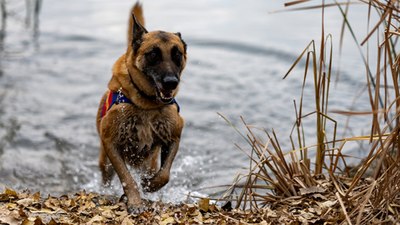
(176, 103)
(114, 98)
(118, 97)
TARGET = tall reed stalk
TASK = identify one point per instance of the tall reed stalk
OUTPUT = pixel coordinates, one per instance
(372, 193)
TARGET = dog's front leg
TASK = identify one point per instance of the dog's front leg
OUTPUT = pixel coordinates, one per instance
(161, 178)
(128, 183)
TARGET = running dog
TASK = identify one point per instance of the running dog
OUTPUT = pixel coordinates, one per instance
(138, 118)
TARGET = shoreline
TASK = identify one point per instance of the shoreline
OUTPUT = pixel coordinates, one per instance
(314, 205)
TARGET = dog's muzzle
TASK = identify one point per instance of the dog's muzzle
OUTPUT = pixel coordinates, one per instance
(166, 87)
(170, 82)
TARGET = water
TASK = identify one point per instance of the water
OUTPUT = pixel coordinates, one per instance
(238, 53)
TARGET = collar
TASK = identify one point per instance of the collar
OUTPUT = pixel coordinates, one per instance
(118, 97)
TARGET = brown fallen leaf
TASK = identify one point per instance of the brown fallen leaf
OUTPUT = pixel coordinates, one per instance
(9, 217)
(96, 220)
(107, 213)
(8, 195)
(204, 204)
(32, 221)
(52, 222)
(319, 196)
(25, 202)
(168, 220)
(312, 190)
(127, 221)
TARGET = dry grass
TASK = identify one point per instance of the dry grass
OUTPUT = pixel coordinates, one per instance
(372, 193)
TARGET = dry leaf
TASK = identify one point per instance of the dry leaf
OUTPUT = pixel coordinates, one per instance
(319, 196)
(328, 204)
(25, 202)
(204, 204)
(8, 195)
(312, 190)
(96, 220)
(127, 221)
(168, 220)
(271, 214)
(108, 214)
(27, 222)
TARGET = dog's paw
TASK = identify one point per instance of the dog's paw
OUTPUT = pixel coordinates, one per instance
(149, 185)
(134, 208)
(154, 183)
(123, 199)
(137, 209)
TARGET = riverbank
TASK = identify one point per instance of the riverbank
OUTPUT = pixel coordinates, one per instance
(320, 204)
(91, 208)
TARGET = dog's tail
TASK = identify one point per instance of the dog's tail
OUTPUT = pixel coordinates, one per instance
(136, 10)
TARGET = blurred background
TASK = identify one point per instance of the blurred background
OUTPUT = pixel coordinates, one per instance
(56, 59)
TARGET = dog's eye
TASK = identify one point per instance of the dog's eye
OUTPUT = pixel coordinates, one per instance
(154, 56)
(176, 56)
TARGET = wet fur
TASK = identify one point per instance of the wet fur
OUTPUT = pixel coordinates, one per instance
(145, 134)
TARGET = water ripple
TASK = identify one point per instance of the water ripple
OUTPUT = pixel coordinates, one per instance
(242, 48)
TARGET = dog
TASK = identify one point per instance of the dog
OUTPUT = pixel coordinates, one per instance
(138, 119)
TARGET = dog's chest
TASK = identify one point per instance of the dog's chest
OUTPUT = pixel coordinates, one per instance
(139, 132)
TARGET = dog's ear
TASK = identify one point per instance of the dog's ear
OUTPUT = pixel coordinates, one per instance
(178, 34)
(183, 42)
(137, 33)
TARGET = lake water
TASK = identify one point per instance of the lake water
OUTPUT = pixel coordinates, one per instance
(238, 52)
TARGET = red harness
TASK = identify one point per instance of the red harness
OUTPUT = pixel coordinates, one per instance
(113, 98)
(118, 97)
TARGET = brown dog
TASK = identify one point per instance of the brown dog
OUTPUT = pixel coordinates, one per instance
(138, 119)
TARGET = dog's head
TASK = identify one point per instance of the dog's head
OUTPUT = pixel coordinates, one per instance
(158, 56)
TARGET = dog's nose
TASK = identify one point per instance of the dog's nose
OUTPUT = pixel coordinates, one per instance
(170, 82)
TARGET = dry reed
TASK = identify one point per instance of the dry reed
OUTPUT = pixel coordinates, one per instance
(372, 193)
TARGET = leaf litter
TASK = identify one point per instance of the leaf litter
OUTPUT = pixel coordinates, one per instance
(314, 205)
(91, 208)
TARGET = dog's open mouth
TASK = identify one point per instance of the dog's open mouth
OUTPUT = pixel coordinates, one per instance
(163, 95)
